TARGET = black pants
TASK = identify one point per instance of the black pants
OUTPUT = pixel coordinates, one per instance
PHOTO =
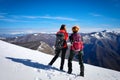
(72, 53)
(57, 52)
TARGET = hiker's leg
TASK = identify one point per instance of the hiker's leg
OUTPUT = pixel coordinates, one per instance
(70, 61)
(57, 52)
(81, 63)
(63, 58)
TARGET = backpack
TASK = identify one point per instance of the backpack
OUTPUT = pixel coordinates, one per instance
(77, 43)
(59, 40)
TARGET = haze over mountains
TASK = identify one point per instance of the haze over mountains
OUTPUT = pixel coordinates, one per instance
(100, 48)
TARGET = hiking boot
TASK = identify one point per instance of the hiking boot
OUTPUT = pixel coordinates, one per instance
(61, 68)
(82, 74)
(50, 64)
(69, 72)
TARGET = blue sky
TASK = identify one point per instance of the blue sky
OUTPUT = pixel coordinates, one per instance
(47, 15)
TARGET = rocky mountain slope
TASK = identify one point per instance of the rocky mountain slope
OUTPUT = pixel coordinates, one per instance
(100, 48)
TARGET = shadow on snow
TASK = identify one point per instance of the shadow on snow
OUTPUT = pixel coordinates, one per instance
(29, 63)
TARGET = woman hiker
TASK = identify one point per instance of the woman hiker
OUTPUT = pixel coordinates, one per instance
(76, 48)
(60, 45)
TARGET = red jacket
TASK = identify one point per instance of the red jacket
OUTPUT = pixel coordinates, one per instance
(66, 37)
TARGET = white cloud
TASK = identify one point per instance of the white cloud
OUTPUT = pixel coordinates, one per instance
(19, 18)
(11, 20)
(8, 20)
(30, 17)
(51, 17)
(1, 16)
(105, 25)
(3, 13)
(59, 18)
(115, 29)
(88, 30)
(95, 15)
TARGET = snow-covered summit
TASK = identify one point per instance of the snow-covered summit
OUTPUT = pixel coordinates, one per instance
(18, 63)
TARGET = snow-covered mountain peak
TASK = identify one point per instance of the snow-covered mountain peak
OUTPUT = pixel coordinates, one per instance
(35, 34)
(105, 34)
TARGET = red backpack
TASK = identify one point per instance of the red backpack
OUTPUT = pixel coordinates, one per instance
(77, 43)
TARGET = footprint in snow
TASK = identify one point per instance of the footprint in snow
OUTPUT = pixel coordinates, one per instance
(38, 78)
(37, 70)
(49, 76)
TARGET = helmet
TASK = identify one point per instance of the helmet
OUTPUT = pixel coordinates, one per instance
(75, 28)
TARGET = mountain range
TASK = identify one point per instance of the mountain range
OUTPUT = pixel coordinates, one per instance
(100, 48)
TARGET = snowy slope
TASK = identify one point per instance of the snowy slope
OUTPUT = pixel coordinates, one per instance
(18, 63)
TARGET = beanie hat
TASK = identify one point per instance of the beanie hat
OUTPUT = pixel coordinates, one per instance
(75, 28)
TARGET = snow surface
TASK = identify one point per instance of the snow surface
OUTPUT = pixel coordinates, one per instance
(18, 63)
(35, 34)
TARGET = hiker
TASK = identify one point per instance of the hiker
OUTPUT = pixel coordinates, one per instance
(76, 49)
(60, 45)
